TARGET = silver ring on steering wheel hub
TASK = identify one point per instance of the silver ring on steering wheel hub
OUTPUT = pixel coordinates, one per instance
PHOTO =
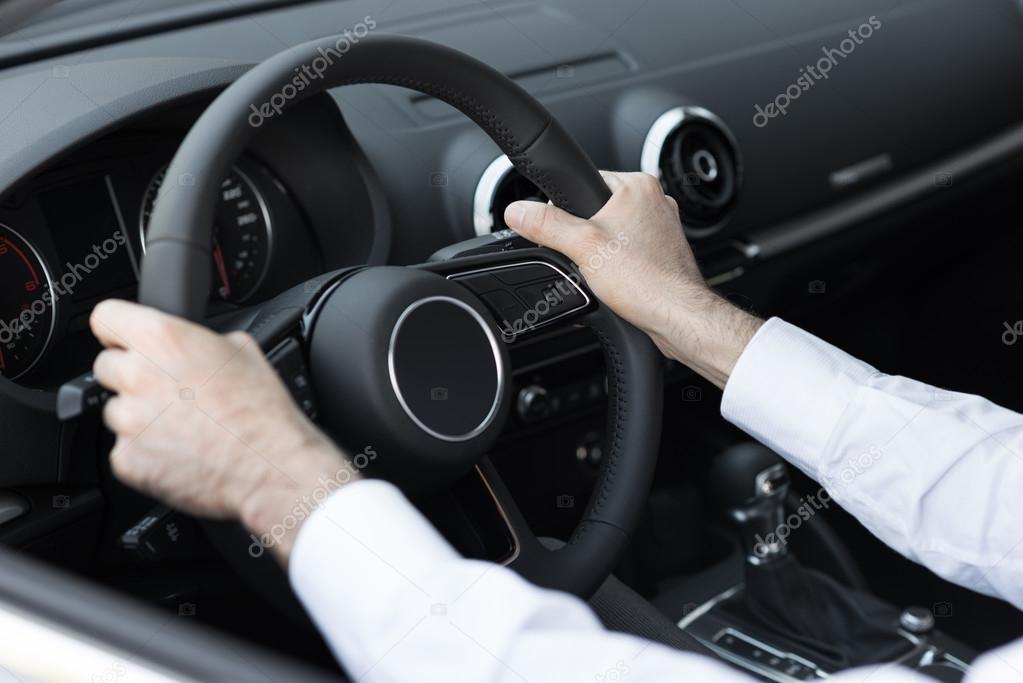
(498, 368)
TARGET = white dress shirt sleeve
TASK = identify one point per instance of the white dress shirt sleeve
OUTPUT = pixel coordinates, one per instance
(396, 603)
(935, 474)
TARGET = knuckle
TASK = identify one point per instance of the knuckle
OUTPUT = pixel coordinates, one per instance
(103, 366)
(591, 237)
(132, 377)
(120, 417)
(122, 464)
(163, 328)
(100, 310)
(589, 246)
(242, 340)
(648, 185)
(166, 337)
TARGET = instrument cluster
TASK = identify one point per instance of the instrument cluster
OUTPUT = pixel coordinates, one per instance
(78, 236)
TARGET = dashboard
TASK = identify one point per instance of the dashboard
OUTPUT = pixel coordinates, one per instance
(76, 234)
(690, 91)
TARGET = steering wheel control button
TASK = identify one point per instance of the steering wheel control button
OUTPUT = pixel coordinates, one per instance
(526, 296)
(552, 299)
(286, 358)
(79, 397)
(504, 305)
(518, 275)
(445, 368)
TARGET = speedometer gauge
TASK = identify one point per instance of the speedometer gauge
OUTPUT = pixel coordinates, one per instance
(26, 304)
(242, 234)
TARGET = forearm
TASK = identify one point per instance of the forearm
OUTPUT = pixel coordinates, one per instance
(936, 475)
(703, 331)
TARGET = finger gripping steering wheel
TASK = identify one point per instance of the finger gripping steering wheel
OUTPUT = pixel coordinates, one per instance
(407, 314)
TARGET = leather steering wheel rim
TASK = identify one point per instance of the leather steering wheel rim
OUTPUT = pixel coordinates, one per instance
(175, 274)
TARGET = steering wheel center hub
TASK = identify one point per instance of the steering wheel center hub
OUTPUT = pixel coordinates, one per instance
(445, 368)
(410, 363)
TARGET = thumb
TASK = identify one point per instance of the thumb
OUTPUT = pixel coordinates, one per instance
(545, 224)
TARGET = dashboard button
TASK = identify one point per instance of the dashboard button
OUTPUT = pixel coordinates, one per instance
(287, 360)
(533, 404)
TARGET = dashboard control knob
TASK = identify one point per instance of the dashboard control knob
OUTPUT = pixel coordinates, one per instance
(533, 404)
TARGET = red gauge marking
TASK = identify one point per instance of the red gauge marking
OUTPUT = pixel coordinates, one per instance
(218, 258)
(24, 258)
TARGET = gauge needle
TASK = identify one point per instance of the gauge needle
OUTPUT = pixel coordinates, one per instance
(3, 361)
(218, 258)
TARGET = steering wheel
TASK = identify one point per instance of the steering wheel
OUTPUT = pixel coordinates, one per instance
(410, 359)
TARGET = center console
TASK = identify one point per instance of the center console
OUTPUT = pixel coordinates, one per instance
(774, 657)
(787, 622)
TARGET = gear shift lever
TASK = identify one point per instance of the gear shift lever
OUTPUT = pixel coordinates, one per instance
(842, 626)
(752, 483)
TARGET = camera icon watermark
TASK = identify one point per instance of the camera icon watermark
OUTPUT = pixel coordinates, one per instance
(61, 501)
(565, 502)
(943, 180)
(438, 179)
(439, 394)
(817, 287)
(691, 179)
(692, 394)
(186, 609)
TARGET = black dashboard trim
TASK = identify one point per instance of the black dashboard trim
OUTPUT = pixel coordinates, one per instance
(928, 181)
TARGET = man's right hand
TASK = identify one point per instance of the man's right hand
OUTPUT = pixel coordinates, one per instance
(635, 257)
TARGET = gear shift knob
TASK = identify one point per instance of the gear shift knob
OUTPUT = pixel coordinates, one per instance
(751, 483)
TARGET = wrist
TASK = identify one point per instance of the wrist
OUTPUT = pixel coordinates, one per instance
(705, 332)
(275, 511)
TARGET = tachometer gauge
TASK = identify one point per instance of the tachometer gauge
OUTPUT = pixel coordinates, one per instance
(242, 234)
(26, 304)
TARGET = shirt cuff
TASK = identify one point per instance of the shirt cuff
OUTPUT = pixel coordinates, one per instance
(789, 389)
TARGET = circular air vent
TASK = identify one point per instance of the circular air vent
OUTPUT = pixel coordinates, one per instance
(499, 186)
(696, 158)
